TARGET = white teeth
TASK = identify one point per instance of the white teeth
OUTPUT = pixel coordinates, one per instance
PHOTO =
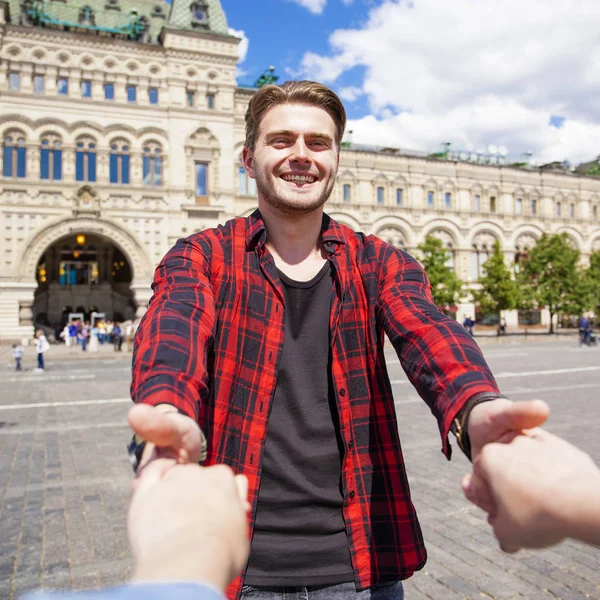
(299, 178)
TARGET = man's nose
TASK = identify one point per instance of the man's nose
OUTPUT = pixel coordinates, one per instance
(300, 152)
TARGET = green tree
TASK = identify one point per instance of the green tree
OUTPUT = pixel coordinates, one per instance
(499, 291)
(592, 283)
(552, 278)
(445, 285)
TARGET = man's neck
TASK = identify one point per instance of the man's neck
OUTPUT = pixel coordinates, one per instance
(295, 242)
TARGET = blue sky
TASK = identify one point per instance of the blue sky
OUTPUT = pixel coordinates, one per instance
(416, 73)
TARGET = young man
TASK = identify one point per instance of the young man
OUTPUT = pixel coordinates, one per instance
(268, 334)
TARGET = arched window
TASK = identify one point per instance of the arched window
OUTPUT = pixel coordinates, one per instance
(51, 158)
(246, 185)
(87, 17)
(119, 163)
(152, 165)
(14, 156)
(85, 160)
(430, 199)
(447, 200)
(199, 12)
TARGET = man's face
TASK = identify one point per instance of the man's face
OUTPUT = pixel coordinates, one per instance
(295, 159)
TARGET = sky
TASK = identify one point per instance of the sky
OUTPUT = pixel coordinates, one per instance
(414, 74)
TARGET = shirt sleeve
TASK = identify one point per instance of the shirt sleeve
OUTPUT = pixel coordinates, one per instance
(176, 333)
(147, 591)
(438, 355)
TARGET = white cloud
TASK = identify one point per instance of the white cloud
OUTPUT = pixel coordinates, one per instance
(243, 45)
(474, 71)
(314, 6)
(350, 94)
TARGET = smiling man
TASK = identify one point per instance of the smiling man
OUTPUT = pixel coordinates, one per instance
(267, 334)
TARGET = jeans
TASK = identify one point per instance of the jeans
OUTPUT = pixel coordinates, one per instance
(40, 360)
(342, 591)
(18, 366)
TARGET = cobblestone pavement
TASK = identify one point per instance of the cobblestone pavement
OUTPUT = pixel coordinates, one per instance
(65, 478)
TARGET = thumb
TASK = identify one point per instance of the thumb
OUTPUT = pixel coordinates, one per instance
(155, 426)
(241, 482)
(523, 415)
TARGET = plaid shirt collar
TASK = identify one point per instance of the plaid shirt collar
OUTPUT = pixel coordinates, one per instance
(332, 234)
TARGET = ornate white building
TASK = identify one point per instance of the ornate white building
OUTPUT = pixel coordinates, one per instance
(122, 127)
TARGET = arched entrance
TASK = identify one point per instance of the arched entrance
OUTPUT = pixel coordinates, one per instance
(83, 273)
(85, 264)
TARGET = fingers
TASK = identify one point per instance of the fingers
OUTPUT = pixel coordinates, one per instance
(241, 482)
(155, 427)
(524, 415)
(477, 491)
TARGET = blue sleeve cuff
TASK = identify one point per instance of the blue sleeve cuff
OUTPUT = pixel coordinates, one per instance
(141, 591)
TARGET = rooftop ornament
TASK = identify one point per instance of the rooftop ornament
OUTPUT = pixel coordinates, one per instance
(133, 30)
(267, 78)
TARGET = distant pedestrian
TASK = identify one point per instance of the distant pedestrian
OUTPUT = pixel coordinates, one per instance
(17, 352)
(94, 339)
(101, 332)
(117, 334)
(72, 340)
(468, 324)
(83, 336)
(584, 330)
(41, 346)
(502, 327)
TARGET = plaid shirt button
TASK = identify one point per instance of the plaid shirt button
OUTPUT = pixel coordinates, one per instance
(342, 392)
(352, 494)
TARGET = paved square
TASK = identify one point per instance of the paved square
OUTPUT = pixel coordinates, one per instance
(65, 477)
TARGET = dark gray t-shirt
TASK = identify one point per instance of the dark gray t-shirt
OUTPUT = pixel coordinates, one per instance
(300, 536)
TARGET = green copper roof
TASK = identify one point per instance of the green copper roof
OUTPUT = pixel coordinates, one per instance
(140, 20)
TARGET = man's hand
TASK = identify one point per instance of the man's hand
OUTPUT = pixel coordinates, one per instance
(188, 523)
(541, 490)
(492, 421)
(168, 434)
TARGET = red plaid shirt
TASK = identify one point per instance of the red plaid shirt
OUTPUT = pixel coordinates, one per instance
(211, 341)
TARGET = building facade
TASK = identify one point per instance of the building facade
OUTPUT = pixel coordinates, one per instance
(122, 127)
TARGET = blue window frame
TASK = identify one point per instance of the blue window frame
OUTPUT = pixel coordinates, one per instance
(131, 93)
(14, 82)
(119, 164)
(429, 199)
(109, 91)
(14, 157)
(190, 97)
(347, 192)
(38, 84)
(152, 167)
(201, 179)
(63, 86)
(51, 160)
(379, 195)
(210, 101)
(86, 89)
(85, 162)
(153, 95)
(448, 200)
(398, 197)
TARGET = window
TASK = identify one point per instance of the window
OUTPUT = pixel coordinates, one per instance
(14, 82)
(109, 91)
(14, 157)
(479, 257)
(63, 86)
(572, 210)
(595, 212)
(429, 199)
(347, 192)
(399, 197)
(201, 180)
(51, 159)
(153, 95)
(518, 206)
(210, 101)
(557, 209)
(246, 185)
(87, 17)
(448, 200)
(379, 195)
(534, 207)
(476, 203)
(190, 98)
(85, 161)
(131, 93)
(38, 84)
(152, 165)
(118, 163)
(493, 204)
(86, 89)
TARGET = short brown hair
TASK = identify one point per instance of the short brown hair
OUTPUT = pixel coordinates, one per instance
(310, 93)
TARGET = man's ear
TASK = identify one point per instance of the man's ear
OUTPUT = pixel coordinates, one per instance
(248, 160)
